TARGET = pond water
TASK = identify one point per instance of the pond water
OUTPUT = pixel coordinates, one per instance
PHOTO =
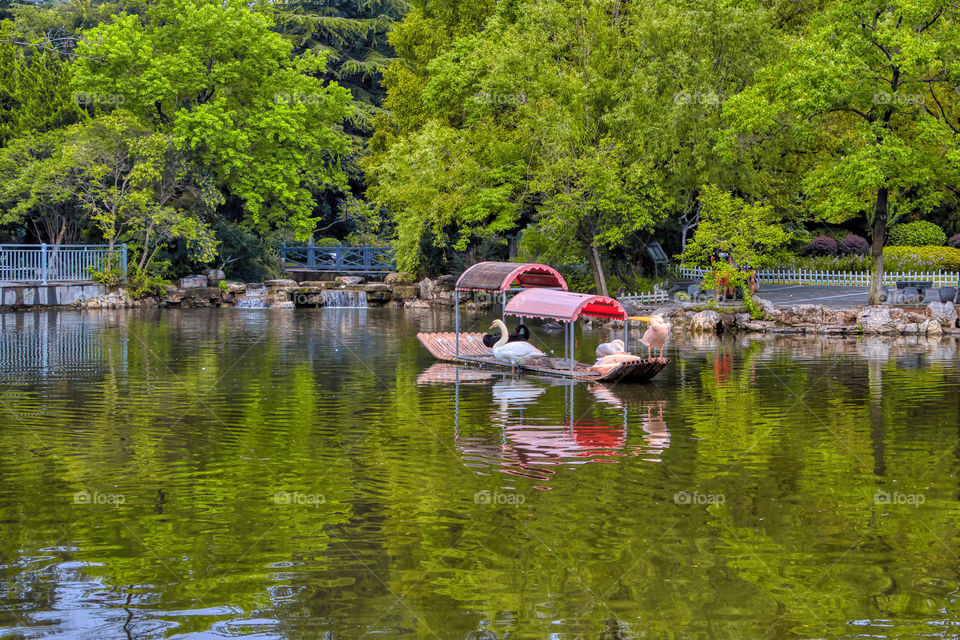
(316, 474)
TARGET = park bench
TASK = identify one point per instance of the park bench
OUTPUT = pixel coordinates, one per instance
(919, 285)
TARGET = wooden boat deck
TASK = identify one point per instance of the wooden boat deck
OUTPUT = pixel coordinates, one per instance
(443, 346)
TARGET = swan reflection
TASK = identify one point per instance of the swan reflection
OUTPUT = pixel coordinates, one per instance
(533, 439)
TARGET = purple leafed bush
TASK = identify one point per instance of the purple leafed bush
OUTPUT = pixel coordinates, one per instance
(954, 241)
(854, 245)
(823, 246)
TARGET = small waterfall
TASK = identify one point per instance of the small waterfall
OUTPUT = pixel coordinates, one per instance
(253, 299)
(339, 299)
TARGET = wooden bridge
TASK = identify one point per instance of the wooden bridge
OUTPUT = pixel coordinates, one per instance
(313, 259)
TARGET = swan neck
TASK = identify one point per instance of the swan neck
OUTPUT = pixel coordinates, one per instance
(503, 333)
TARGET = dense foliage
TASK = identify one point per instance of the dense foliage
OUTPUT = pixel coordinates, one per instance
(917, 234)
(823, 246)
(894, 259)
(569, 132)
(853, 244)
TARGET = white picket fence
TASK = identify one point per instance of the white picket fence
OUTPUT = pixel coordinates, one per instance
(657, 296)
(842, 278)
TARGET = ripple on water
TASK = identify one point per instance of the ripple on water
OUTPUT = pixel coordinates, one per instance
(291, 474)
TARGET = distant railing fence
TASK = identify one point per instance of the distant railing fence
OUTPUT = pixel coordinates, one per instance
(842, 278)
(333, 259)
(657, 296)
(45, 263)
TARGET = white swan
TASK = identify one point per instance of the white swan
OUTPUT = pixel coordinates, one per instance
(514, 353)
(610, 348)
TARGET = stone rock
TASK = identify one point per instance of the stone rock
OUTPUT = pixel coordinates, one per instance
(910, 328)
(236, 287)
(727, 322)
(802, 314)
(840, 316)
(760, 325)
(319, 284)
(446, 283)
(833, 330)
(876, 319)
(192, 282)
(400, 277)
(705, 322)
(306, 290)
(945, 313)
(281, 304)
(445, 298)
(348, 281)
(405, 292)
(280, 283)
(416, 304)
(378, 293)
(931, 328)
(741, 319)
(214, 275)
(427, 288)
(768, 307)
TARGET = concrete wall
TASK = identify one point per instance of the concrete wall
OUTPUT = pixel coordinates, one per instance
(51, 295)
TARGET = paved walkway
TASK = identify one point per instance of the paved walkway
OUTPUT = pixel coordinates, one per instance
(830, 296)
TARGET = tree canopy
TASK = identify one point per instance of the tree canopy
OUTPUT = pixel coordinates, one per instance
(571, 132)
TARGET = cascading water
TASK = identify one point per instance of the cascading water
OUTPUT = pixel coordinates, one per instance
(253, 299)
(338, 298)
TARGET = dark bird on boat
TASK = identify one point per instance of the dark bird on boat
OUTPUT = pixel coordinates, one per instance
(522, 334)
(551, 326)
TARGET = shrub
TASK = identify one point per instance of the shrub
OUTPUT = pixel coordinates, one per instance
(916, 234)
(823, 246)
(954, 241)
(829, 263)
(141, 284)
(854, 245)
(894, 259)
(921, 258)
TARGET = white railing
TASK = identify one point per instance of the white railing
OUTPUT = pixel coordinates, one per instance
(841, 278)
(58, 262)
(657, 296)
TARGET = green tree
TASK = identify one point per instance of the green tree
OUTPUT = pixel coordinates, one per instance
(125, 179)
(750, 232)
(563, 98)
(35, 92)
(353, 35)
(216, 78)
(866, 93)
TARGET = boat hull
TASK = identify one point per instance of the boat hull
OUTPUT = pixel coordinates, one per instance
(443, 346)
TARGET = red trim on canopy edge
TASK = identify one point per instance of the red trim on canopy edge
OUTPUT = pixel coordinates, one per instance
(563, 305)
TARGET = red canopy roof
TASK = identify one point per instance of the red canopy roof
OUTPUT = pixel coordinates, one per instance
(563, 305)
(500, 276)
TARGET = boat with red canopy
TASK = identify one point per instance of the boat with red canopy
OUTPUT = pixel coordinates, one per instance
(541, 292)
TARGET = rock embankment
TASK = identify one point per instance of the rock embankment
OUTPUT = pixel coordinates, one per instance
(935, 319)
(211, 289)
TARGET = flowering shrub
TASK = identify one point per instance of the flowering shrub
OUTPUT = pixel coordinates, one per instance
(894, 259)
(854, 244)
(954, 241)
(921, 258)
(823, 246)
(917, 234)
